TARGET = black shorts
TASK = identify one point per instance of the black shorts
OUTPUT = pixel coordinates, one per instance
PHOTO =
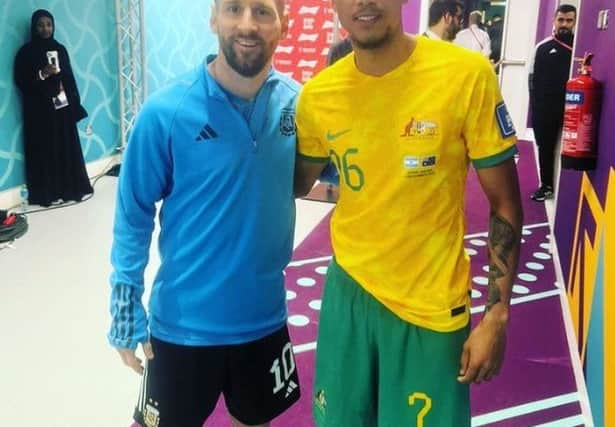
(181, 385)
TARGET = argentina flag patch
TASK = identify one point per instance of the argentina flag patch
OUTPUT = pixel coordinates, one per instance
(505, 123)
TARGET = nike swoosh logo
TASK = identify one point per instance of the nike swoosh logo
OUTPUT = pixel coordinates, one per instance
(333, 136)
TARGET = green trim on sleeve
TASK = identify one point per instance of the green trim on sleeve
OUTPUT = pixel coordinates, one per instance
(491, 161)
(311, 159)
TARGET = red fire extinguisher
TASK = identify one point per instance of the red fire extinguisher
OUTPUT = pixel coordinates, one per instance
(581, 114)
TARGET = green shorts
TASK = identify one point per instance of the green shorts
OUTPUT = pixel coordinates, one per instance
(374, 369)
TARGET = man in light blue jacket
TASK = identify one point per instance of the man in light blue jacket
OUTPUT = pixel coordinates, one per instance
(217, 148)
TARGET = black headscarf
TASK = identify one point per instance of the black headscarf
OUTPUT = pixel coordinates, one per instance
(37, 40)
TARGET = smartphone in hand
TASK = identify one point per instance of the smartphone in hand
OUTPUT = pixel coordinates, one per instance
(52, 58)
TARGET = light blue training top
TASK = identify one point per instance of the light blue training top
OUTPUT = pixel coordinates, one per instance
(227, 215)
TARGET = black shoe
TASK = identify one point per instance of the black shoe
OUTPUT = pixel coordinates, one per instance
(543, 193)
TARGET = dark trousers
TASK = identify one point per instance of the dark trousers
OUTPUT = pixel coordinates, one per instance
(547, 128)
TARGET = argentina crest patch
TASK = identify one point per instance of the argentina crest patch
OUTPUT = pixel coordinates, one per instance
(287, 122)
(151, 415)
(505, 123)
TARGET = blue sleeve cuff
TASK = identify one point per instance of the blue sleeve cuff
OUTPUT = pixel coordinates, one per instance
(128, 317)
(330, 175)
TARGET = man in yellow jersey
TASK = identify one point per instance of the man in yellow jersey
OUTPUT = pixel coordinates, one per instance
(402, 117)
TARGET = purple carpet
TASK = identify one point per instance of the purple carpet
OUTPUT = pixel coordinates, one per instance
(537, 384)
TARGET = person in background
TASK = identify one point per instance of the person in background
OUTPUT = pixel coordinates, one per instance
(55, 168)
(445, 20)
(473, 37)
(402, 118)
(339, 50)
(495, 32)
(548, 74)
(217, 147)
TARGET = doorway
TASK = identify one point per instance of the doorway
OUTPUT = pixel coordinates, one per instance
(516, 22)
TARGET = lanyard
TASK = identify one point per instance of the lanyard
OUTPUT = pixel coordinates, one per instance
(561, 43)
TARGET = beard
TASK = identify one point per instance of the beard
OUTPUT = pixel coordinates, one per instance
(374, 42)
(565, 35)
(452, 32)
(247, 64)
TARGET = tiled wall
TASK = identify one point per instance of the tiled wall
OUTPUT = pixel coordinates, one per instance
(87, 30)
(177, 39)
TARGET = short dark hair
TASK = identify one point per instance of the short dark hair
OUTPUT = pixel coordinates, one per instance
(566, 8)
(439, 8)
(281, 4)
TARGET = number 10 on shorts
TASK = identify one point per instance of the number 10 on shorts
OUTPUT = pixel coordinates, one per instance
(287, 368)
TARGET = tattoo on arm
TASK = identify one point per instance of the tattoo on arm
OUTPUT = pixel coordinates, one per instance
(501, 244)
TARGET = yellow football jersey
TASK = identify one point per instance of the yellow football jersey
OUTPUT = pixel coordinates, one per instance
(402, 144)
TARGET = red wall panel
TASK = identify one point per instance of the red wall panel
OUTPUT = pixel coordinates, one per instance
(304, 52)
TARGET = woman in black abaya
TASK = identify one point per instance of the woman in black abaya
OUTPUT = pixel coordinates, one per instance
(55, 168)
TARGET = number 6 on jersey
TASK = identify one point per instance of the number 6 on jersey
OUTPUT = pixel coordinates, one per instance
(353, 175)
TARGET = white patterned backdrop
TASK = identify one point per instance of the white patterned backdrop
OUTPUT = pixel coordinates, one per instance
(177, 39)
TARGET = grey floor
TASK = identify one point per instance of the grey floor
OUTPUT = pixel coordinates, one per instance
(56, 368)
